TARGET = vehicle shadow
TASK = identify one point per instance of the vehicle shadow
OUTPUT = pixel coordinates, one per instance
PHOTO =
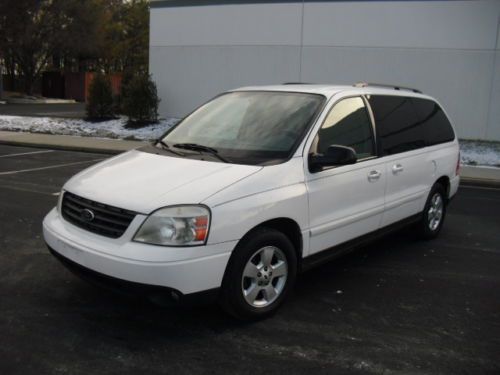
(112, 313)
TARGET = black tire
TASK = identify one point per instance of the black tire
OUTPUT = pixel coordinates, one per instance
(232, 297)
(425, 230)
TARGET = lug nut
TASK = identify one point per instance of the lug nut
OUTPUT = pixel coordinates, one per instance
(259, 274)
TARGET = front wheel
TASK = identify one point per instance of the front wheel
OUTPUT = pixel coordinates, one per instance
(434, 213)
(260, 274)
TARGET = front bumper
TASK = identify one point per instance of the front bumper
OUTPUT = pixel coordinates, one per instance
(184, 270)
(157, 294)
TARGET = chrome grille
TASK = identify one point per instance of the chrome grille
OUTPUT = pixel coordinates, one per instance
(95, 217)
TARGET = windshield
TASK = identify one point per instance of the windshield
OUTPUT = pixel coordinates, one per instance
(251, 127)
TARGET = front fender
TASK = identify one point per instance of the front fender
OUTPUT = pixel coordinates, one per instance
(232, 220)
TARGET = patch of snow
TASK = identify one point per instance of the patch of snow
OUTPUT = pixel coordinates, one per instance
(105, 129)
(480, 153)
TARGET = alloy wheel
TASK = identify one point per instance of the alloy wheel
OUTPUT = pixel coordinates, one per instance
(264, 276)
(435, 213)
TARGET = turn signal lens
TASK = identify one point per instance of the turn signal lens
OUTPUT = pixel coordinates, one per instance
(201, 228)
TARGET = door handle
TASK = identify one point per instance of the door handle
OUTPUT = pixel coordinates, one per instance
(374, 175)
(396, 168)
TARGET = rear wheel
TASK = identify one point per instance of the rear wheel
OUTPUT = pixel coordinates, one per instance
(260, 274)
(434, 213)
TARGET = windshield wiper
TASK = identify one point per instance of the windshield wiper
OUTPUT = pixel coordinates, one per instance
(201, 148)
(167, 147)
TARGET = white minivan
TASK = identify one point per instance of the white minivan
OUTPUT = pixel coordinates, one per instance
(255, 186)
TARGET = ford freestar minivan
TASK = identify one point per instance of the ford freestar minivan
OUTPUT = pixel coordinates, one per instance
(256, 185)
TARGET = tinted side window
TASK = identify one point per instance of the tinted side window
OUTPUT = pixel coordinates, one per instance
(347, 124)
(398, 127)
(436, 126)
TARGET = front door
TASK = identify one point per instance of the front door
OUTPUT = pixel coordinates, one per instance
(345, 202)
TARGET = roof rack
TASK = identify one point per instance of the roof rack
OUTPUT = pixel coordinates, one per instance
(394, 87)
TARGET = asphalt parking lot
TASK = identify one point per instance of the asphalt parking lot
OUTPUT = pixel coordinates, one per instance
(397, 306)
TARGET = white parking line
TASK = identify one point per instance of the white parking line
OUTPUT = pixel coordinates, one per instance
(49, 167)
(17, 188)
(26, 153)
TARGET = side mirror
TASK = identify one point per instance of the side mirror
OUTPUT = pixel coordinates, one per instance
(335, 155)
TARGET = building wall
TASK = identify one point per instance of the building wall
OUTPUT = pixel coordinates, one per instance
(448, 49)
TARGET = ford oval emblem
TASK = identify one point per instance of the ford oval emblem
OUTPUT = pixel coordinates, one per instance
(87, 215)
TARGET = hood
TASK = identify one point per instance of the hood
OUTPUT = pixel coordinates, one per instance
(143, 182)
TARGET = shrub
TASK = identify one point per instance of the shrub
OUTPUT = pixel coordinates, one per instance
(100, 104)
(140, 100)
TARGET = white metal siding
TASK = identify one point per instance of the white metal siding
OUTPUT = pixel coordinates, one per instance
(448, 49)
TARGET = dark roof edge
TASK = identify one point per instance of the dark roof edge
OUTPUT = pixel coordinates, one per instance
(187, 3)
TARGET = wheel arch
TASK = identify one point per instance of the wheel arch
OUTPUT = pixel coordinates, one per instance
(288, 227)
(445, 182)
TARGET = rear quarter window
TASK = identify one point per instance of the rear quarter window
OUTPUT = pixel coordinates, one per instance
(398, 125)
(436, 126)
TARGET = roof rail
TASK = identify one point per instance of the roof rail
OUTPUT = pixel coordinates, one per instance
(394, 87)
(297, 83)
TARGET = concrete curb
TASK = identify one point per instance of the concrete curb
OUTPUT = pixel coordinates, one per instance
(470, 175)
(68, 143)
(480, 176)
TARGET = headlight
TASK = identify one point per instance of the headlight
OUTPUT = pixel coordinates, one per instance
(175, 226)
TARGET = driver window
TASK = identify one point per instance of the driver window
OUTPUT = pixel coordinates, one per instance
(347, 124)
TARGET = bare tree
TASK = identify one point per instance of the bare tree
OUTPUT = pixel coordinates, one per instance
(32, 32)
(102, 35)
